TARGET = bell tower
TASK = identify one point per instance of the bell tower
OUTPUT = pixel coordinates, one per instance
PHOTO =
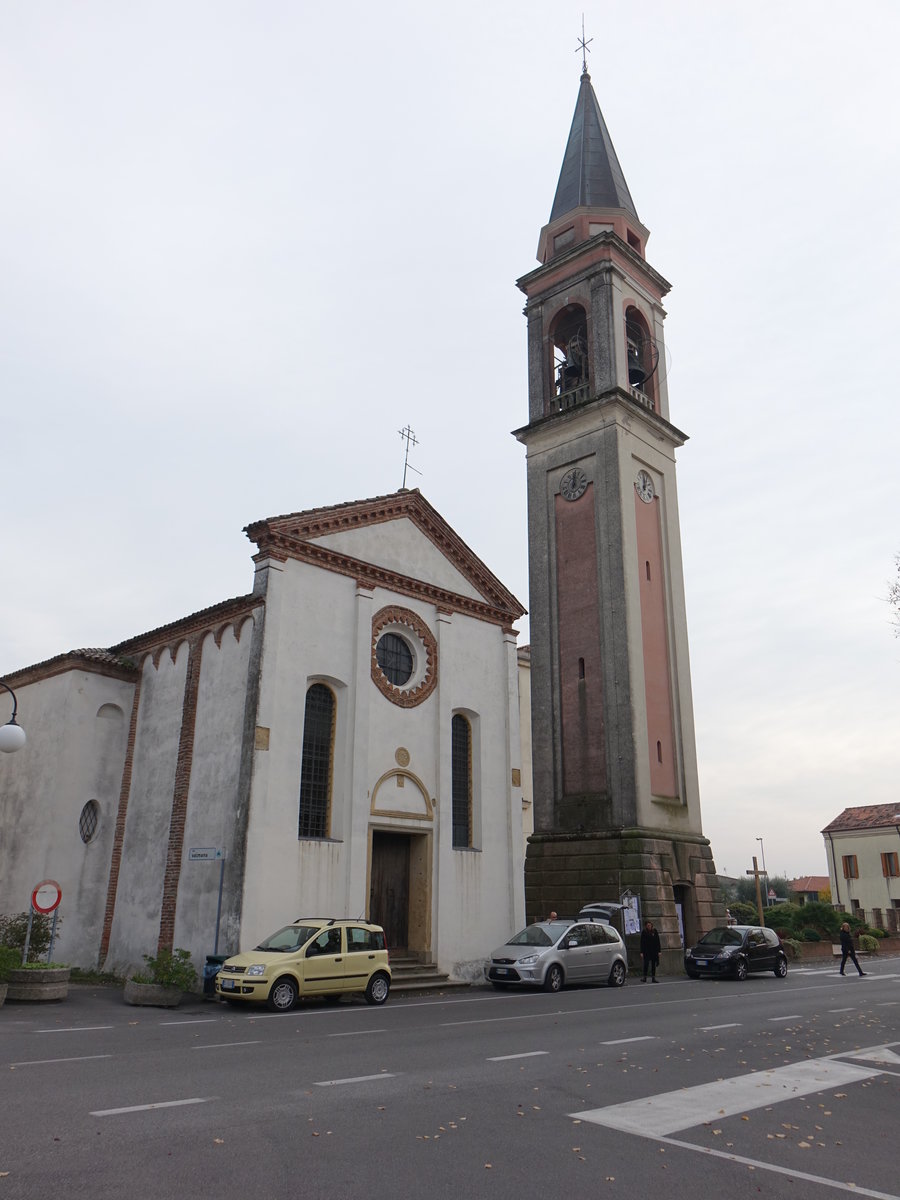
(616, 796)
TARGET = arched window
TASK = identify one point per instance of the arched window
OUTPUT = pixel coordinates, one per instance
(461, 781)
(569, 348)
(642, 353)
(316, 766)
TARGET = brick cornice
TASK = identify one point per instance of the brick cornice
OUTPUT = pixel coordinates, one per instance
(294, 536)
(370, 576)
(208, 620)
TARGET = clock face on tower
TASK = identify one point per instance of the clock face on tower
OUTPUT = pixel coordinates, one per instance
(643, 485)
(573, 484)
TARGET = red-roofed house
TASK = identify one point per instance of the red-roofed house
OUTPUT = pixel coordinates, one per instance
(863, 850)
(809, 889)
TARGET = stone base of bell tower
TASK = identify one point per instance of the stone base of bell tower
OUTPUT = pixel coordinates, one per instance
(565, 871)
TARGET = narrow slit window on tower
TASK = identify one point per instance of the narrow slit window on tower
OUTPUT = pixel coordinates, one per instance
(659, 751)
(581, 668)
(647, 565)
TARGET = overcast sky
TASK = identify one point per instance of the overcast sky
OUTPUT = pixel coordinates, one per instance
(242, 245)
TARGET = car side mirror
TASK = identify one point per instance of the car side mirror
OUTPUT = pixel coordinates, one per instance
(569, 943)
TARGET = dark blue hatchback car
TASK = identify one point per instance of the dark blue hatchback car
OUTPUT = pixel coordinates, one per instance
(734, 951)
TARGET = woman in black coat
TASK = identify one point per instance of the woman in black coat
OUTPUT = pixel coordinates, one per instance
(847, 950)
(650, 949)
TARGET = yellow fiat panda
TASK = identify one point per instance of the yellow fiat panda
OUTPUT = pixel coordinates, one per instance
(315, 956)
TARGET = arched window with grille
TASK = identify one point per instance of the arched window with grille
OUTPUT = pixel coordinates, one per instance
(461, 781)
(317, 763)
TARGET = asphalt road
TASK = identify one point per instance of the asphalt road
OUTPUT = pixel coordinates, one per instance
(684, 1089)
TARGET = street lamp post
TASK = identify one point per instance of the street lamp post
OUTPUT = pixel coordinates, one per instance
(764, 871)
(12, 735)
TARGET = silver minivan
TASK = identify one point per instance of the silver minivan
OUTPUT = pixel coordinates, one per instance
(551, 954)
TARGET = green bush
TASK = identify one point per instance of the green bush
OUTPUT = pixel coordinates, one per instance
(784, 916)
(14, 929)
(867, 942)
(10, 959)
(792, 948)
(822, 917)
(878, 933)
(811, 935)
(170, 968)
(744, 914)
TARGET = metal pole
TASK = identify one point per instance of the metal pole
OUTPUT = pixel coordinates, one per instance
(765, 872)
(219, 905)
(27, 936)
(52, 935)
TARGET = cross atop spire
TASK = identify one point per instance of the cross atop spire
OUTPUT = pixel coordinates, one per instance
(583, 47)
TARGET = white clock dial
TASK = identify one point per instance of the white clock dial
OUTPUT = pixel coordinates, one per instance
(643, 485)
(573, 484)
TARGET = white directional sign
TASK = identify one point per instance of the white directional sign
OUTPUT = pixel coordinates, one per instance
(205, 854)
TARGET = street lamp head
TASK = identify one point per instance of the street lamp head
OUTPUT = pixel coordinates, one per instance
(12, 735)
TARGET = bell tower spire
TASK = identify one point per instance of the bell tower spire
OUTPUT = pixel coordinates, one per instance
(616, 794)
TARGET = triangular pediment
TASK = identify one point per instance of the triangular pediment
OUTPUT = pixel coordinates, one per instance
(396, 541)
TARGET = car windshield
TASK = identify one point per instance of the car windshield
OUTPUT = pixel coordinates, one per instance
(543, 934)
(288, 939)
(721, 936)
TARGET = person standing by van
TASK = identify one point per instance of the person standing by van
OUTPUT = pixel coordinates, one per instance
(650, 951)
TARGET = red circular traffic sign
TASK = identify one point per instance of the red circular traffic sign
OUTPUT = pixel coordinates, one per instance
(46, 896)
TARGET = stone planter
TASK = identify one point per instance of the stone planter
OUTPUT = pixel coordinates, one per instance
(154, 995)
(38, 983)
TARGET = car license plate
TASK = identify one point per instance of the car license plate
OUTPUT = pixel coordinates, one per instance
(227, 985)
(702, 962)
(502, 971)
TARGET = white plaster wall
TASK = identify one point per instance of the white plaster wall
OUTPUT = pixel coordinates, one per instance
(71, 756)
(318, 627)
(872, 889)
(135, 929)
(213, 790)
(401, 546)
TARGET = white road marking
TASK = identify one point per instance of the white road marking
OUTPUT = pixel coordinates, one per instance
(759, 1165)
(621, 1041)
(353, 1079)
(196, 1021)
(840, 1010)
(669, 1112)
(792, 1017)
(38, 1062)
(224, 1045)
(113, 1112)
(357, 1033)
(75, 1029)
(527, 1054)
(710, 1028)
(880, 1054)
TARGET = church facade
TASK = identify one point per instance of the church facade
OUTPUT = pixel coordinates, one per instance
(342, 741)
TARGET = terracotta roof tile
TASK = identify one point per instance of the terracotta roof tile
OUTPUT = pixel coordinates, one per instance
(869, 816)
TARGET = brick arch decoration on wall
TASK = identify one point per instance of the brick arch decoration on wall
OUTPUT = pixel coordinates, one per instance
(405, 697)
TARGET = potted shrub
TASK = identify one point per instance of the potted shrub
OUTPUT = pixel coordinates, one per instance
(33, 980)
(168, 976)
(9, 960)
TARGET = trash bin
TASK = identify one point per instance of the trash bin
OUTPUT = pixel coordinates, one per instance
(210, 971)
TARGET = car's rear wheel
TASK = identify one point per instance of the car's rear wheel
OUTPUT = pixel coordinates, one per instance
(378, 988)
(740, 970)
(781, 968)
(617, 974)
(554, 979)
(283, 995)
